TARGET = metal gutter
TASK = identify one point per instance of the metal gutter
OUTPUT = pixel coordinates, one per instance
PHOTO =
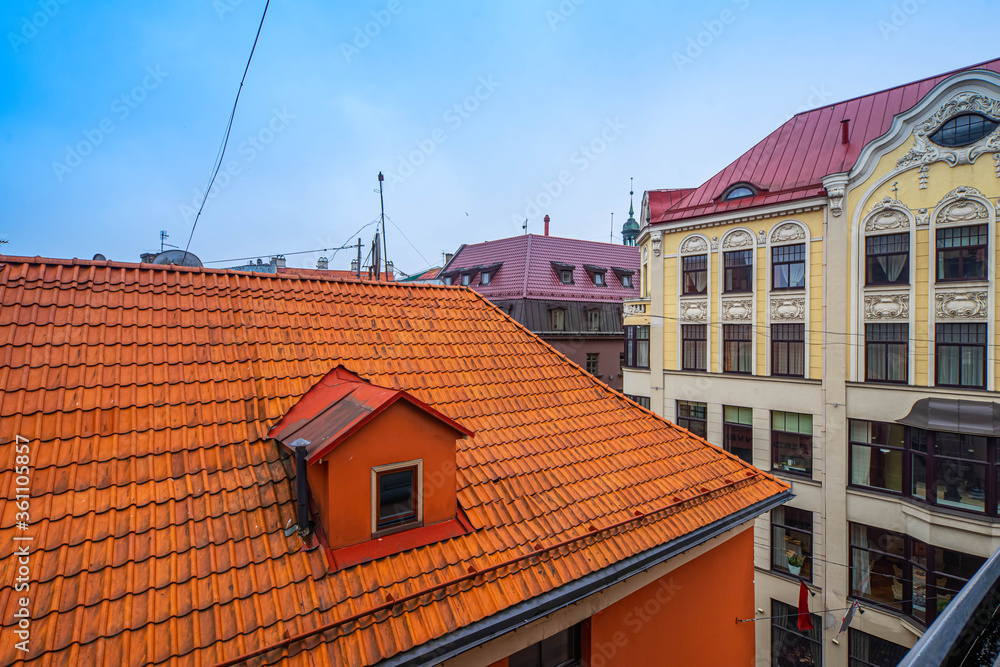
(448, 646)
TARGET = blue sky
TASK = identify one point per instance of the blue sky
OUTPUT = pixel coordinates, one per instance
(112, 113)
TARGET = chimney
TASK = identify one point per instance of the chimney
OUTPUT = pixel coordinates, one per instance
(448, 256)
(147, 257)
(390, 269)
(354, 265)
(278, 261)
(323, 263)
(546, 224)
(845, 127)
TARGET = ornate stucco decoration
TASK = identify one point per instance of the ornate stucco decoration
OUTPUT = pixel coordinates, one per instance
(787, 231)
(737, 310)
(694, 244)
(738, 239)
(788, 309)
(762, 237)
(645, 253)
(836, 197)
(715, 243)
(923, 217)
(633, 309)
(887, 306)
(964, 210)
(996, 158)
(925, 151)
(694, 311)
(923, 174)
(657, 238)
(949, 305)
(887, 214)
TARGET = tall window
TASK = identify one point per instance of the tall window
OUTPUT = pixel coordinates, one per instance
(960, 351)
(694, 347)
(791, 647)
(693, 416)
(865, 650)
(887, 259)
(593, 320)
(886, 352)
(737, 348)
(738, 271)
(791, 541)
(737, 431)
(560, 650)
(961, 253)
(877, 453)
(788, 266)
(791, 442)
(695, 274)
(395, 497)
(788, 350)
(637, 346)
(592, 363)
(904, 574)
(557, 317)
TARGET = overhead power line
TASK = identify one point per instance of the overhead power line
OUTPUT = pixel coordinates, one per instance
(225, 140)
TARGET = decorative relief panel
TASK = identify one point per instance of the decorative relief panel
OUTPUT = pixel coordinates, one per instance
(657, 238)
(694, 311)
(634, 309)
(964, 210)
(973, 305)
(886, 214)
(762, 237)
(694, 244)
(715, 243)
(925, 151)
(793, 309)
(836, 196)
(923, 217)
(737, 310)
(887, 306)
(788, 231)
(738, 239)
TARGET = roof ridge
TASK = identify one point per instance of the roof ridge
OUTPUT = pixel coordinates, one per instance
(527, 268)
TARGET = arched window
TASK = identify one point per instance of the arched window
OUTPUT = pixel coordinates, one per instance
(739, 191)
(963, 130)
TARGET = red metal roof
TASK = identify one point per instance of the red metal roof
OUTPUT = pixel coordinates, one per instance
(790, 163)
(158, 502)
(527, 268)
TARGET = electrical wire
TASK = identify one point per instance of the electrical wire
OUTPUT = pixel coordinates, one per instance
(225, 141)
(407, 240)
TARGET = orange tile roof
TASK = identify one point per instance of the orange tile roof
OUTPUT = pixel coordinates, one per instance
(158, 504)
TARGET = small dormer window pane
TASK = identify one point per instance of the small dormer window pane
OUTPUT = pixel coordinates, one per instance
(567, 277)
(484, 279)
(396, 500)
(739, 193)
(448, 280)
(626, 281)
(466, 279)
(598, 278)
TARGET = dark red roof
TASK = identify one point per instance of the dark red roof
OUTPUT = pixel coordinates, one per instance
(527, 271)
(790, 163)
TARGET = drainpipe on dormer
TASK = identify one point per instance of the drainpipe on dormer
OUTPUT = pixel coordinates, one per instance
(301, 487)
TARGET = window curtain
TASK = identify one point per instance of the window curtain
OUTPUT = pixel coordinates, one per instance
(701, 281)
(892, 265)
(861, 571)
(797, 274)
(860, 646)
(779, 556)
(972, 366)
(643, 353)
(948, 365)
(861, 465)
(897, 363)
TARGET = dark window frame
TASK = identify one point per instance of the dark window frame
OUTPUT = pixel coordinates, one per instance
(943, 330)
(534, 655)
(696, 422)
(737, 339)
(737, 431)
(853, 639)
(791, 514)
(397, 522)
(945, 234)
(636, 345)
(886, 246)
(787, 639)
(693, 266)
(880, 340)
(782, 261)
(964, 129)
(641, 400)
(783, 438)
(593, 320)
(737, 271)
(593, 362)
(787, 349)
(694, 347)
(733, 192)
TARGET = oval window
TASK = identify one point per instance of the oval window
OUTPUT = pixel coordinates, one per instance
(962, 130)
(739, 193)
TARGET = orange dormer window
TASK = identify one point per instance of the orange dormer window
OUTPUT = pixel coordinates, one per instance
(367, 452)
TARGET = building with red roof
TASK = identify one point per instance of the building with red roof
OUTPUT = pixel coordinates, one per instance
(825, 308)
(568, 291)
(215, 467)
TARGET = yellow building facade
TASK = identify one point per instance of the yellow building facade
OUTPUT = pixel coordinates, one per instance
(835, 324)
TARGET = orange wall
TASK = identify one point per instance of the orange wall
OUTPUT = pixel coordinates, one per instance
(688, 617)
(401, 433)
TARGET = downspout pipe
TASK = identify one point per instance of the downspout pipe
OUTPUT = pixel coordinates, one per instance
(301, 487)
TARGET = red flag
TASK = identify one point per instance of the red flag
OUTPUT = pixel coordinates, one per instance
(805, 620)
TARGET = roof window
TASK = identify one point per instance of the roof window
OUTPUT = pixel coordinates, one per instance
(739, 191)
(963, 130)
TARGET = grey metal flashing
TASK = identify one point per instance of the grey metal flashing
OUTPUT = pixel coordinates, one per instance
(475, 634)
(968, 632)
(955, 416)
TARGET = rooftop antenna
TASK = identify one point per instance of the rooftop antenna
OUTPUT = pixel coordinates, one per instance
(611, 236)
(525, 226)
(381, 201)
(163, 237)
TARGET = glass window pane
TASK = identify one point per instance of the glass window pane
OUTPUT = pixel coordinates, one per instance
(396, 499)
(879, 468)
(918, 475)
(960, 484)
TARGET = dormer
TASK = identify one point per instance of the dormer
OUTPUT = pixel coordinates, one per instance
(376, 465)
(598, 275)
(564, 272)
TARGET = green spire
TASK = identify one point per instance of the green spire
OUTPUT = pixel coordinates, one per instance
(630, 229)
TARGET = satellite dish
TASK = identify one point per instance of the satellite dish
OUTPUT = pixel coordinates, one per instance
(100, 258)
(177, 257)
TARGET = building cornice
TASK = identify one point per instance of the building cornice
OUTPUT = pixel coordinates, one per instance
(746, 215)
